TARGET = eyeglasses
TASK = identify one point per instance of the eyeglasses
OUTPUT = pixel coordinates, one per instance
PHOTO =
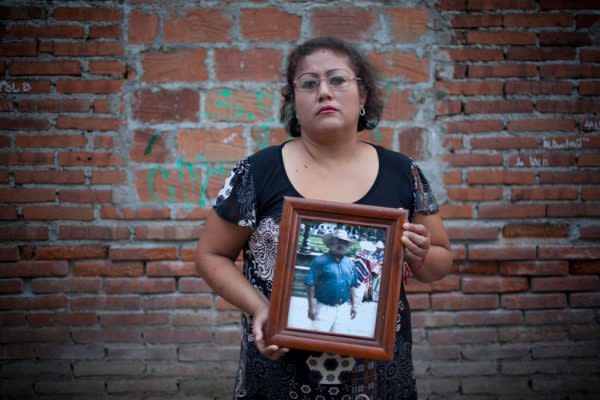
(337, 79)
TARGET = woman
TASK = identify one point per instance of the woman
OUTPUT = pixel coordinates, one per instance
(331, 95)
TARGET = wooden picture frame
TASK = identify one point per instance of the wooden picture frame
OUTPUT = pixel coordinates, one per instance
(304, 260)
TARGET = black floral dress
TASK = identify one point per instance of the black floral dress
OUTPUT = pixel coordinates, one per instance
(252, 197)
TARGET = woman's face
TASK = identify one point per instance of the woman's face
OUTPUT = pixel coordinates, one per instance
(325, 109)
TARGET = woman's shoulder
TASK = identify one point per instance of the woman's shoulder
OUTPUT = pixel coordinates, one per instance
(265, 158)
(393, 158)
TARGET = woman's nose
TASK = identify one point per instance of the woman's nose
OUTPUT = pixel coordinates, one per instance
(323, 91)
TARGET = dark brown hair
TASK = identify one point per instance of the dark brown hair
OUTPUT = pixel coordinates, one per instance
(368, 83)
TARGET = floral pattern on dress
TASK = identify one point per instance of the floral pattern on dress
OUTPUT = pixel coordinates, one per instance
(262, 248)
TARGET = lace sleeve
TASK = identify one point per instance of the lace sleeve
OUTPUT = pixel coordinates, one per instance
(236, 201)
(424, 200)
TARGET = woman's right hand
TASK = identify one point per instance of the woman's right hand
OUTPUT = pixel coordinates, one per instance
(272, 351)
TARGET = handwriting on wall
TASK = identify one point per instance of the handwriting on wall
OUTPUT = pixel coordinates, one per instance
(193, 178)
(14, 87)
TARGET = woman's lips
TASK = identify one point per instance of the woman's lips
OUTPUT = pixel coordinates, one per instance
(327, 110)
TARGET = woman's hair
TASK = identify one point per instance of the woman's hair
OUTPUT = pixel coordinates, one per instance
(368, 83)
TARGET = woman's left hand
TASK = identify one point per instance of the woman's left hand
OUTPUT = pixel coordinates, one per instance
(417, 241)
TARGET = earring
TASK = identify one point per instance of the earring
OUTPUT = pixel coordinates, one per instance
(297, 119)
(362, 110)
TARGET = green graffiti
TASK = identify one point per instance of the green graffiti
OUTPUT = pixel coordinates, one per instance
(211, 170)
(151, 143)
(165, 175)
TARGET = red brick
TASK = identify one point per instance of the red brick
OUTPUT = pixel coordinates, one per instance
(138, 213)
(476, 20)
(573, 210)
(552, 193)
(70, 253)
(408, 24)
(107, 67)
(454, 301)
(569, 253)
(103, 106)
(498, 106)
(58, 213)
(105, 302)
(500, 5)
(474, 54)
(76, 232)
(54, 141)
(170, 268)
(199, 25)
(570, 142)
(474, 194)
(496, 317)
(535, 20)
(166, 105)
(11, 286)
(23, 232)
(96, 86)
(141, 253)
(138, 285)
(589, 88)
(590, 193)
(568, 4)
(9, 253)
(473, 126)
(107, 268)
(503, 143)
(471, 88)
(585, 178)
(397, 107)
(502, 71)
(584, 300)
(473, 159)
(87, 49)
(143, 27)
(564, 39)
(540, 53)
(239, 106)
(37, 320)
(67, 285)
(215, 145)
(178, 301)
(94, 14)
(590, 54)
(488, 211)
(541, 160)
(97, 159)
(21, 12)
(478, 267)
(590, 232)
(25, 124)
(153, 232)
(502, 38)
(49, 177)
(586, 20)
(54, 105)
(462, 336)
(123, 319)
(541, 125)
(535, 268)
(193, 285)
(34, 268)
(588, 160)
(526, 301)
(346, 23)
(185, 65)
(493, 284)
(535, 230)
(557, 71)
(107, 335)
(255, 65)
(269, 25)
(15, 195)
(46, 31)
(45, 68)
(495, 177)
(559, 317)
(149, 146)
(193, 214)
(28, 158)
(107, 177)
(85, 196)
(105, 31)
(18, 49)
(178, 335)
(412, 143)
(26, 87)
(406, 66)
(565, 283)
(456, 211)
(501, 253)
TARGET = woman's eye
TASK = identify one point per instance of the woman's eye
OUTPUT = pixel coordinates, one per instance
(337, 80)
(309, 84)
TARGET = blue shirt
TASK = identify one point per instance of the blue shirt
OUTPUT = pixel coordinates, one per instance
(331, 278)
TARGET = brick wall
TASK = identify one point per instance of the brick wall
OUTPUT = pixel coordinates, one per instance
(120, 119)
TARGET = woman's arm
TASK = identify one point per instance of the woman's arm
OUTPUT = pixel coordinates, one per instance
(218, 247)
(428, 251)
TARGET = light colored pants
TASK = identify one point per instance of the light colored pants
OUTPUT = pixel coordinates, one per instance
(332, 318)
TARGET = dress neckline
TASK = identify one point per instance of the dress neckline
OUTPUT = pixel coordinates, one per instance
(359, 201)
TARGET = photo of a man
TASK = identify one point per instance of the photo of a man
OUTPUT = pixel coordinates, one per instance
(331, 284)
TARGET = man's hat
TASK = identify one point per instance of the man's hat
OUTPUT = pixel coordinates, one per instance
(336, 234)
(379, 244)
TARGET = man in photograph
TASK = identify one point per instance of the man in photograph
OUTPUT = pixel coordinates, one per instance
(331, 285)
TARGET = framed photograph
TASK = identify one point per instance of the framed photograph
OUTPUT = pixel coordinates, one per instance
(337, 278)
